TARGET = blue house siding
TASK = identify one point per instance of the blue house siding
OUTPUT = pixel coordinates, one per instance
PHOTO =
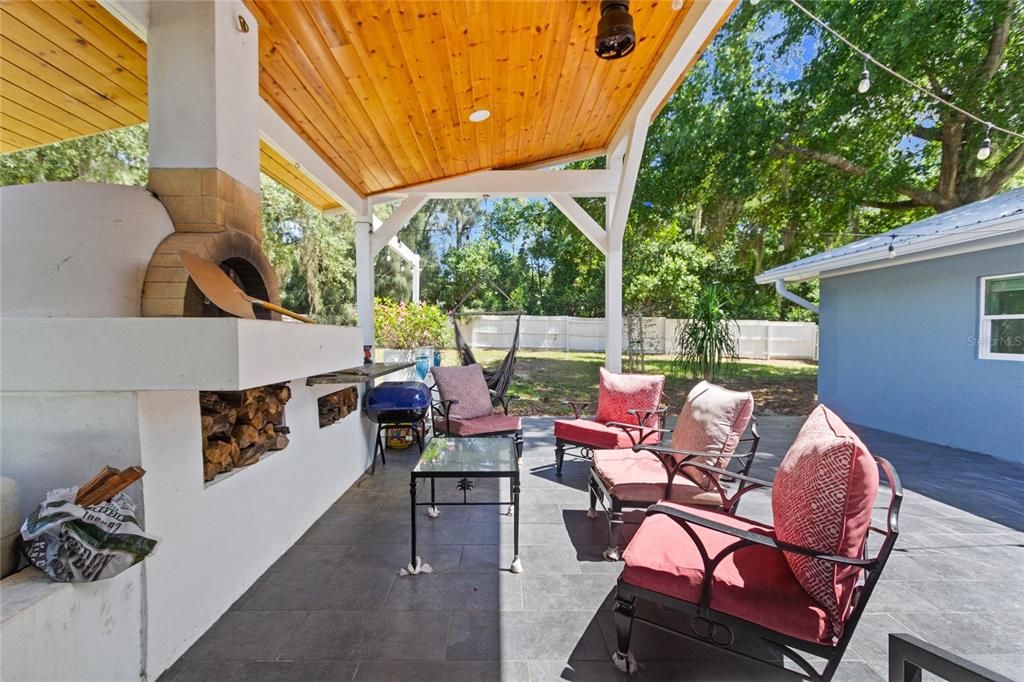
(897, 353)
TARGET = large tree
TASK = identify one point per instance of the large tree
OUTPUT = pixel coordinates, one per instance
(906, 150)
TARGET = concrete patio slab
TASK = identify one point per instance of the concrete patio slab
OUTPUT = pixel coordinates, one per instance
(334, 607)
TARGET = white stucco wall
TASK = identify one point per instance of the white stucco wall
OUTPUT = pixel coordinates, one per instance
(217, 540)
(63, 631)
(76, 249)
(54, 440)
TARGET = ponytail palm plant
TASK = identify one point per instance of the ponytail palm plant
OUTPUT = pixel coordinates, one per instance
(708, 336)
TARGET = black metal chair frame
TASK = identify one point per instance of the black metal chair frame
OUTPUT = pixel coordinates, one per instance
(615, 508)
(443, 408)
(740, 636)
(909, 656)
(564, 446)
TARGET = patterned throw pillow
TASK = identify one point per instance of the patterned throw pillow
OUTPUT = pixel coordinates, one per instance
(821, 499)
(713, 420)
(619, 393)
(468, 386)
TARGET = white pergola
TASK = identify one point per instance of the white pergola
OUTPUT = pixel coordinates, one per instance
(239, 105)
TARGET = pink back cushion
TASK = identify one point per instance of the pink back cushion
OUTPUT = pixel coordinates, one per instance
(821, 499)
(619, 393)
(713, 420)
(468, 386)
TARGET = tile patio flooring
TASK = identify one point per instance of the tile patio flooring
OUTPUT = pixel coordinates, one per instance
(334, 608)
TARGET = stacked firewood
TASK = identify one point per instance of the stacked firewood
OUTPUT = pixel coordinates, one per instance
(107, 483)
(240, 426)
(335, 406)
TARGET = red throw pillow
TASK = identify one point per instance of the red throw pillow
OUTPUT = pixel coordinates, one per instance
(468, 386)
(822, 499)
(619, 393)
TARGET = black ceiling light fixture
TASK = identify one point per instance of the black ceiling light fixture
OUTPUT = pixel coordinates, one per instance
(615, 35)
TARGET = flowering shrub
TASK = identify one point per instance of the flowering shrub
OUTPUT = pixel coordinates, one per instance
(404, 326)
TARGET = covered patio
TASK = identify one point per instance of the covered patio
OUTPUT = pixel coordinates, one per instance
(284, 564)
(334, 607)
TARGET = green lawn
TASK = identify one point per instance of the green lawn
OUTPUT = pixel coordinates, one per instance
(544, 378)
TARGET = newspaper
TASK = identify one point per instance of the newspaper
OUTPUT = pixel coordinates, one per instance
(71, 543)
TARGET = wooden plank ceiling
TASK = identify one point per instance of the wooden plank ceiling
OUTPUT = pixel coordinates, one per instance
(382, 90)
(68, 69)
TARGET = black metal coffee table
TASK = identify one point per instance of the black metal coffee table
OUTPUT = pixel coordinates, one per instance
(465, 459)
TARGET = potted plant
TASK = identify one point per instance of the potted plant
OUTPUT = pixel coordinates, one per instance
(406, 330)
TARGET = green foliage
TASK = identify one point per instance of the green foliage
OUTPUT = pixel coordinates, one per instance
(406, 325)
(706, 339)
(116, 156)
(312, 254)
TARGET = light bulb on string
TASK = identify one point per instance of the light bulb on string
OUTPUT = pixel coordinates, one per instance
(753, 3)
(865, 79)
(892, 248)
(677, 5)
(985, 150)
(389, 257)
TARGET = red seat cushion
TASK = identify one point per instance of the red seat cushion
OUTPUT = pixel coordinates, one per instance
(822, 498)
(619, 393)
(496, 423)
(753, 583)
(596, 434)
(641, 477)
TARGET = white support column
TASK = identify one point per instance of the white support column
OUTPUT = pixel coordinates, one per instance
(613, 303)
(613, 277)
(364, 272)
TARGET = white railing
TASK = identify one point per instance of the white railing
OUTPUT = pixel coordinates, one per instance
(759, 339)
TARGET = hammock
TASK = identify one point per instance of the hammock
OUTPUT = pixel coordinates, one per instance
(499, 378)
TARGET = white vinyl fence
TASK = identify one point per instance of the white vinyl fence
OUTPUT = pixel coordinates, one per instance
(758, 339)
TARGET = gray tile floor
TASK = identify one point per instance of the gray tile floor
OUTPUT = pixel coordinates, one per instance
(334, 608)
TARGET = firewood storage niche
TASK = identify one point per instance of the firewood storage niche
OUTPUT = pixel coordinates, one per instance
(239, 427)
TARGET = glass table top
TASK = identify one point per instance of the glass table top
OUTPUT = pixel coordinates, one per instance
(468, 455)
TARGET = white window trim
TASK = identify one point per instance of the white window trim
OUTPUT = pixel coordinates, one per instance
(985, 329)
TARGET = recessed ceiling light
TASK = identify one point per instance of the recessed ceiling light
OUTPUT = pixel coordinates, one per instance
(479, 116)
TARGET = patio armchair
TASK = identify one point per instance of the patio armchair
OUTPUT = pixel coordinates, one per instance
(709, 430)
(462, 406)
(629, 412)
(769, 592)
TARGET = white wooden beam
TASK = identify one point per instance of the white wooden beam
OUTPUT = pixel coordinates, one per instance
(287, 142)
(582, 220)
(396, 221)
(517, 183)
(703, 18)
(413, 259)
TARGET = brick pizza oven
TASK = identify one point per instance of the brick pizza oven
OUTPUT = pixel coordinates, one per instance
(218, 218)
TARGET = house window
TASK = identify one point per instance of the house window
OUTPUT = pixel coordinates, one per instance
(1002, 317)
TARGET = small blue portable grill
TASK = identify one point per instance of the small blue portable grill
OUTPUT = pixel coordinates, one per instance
(397, 404)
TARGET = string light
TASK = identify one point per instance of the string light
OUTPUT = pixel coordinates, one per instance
(984, 151)
(892, 248)
(389, 257)
(865, 79)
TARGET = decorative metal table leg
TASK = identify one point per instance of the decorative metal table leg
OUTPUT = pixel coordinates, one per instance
(517, 565)
(433, 512)
(559, 457)
(412, 500)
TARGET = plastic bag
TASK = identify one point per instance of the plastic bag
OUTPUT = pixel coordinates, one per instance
(72, 543)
